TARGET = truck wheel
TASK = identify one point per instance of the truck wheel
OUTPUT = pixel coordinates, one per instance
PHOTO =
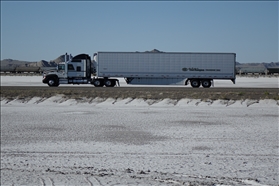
(52, 82)
(98, 83)
(195, 83)
(109, 83)
(206, 83)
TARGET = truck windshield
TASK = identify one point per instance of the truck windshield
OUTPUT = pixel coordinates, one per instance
(61, 67)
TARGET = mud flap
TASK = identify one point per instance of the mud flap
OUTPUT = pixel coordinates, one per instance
(117, 82)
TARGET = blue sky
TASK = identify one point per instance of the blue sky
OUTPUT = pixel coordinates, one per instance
(36, 30)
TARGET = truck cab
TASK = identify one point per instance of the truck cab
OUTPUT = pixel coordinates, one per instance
(76, 70)
(61, 70)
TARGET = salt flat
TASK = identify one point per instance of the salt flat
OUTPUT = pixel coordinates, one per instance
(60, 141)
(138, 142)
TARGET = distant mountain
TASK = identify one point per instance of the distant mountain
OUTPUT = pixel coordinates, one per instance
(154, 50)
(264, 65)
(18, 63)
(60, 59)
(11, 62)
(42, 63)
(255, 67)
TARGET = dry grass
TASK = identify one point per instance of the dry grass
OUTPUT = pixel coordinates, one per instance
(175, 93)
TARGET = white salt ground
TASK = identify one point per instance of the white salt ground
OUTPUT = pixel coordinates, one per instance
(56, 141)
(136, 142)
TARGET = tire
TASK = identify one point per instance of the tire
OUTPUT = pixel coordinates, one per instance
(109, 83)
(98, 83)
(206, 83)
(53, 82)
(195, 83)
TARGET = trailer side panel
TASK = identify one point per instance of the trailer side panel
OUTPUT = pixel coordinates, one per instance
(166, 65)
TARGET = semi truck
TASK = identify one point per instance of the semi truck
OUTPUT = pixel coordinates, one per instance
(144, 68)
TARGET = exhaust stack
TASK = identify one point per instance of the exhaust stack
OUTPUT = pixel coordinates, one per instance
(65, 57)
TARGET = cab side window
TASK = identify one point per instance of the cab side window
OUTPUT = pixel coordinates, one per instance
(71, 67)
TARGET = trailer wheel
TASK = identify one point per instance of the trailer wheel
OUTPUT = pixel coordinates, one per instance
(98, 83)
(206, 83)
(109, 83)
(195, 83)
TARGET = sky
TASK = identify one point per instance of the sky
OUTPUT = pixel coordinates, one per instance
(44, 30)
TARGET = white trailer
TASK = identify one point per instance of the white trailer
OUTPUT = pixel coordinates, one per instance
(164, 68)
(145, 68)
